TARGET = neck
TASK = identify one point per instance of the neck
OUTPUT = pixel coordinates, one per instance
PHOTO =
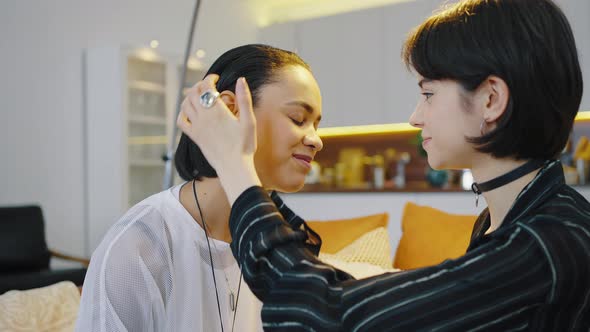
(501, 199)
(214, 207)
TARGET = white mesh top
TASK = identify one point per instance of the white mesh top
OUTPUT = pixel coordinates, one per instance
(151, 272)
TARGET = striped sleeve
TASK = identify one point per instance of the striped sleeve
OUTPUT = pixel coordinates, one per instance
(494, 287)
(313, 242)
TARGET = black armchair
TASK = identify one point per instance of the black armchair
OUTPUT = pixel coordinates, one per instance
(24, 256)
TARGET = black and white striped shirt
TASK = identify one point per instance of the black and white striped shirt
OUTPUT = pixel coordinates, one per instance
(531, 274)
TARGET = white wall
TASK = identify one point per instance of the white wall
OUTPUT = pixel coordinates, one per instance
(578, 14)
(41, 133)
(365, 46)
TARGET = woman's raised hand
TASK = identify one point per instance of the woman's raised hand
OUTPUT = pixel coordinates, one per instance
(227, 141)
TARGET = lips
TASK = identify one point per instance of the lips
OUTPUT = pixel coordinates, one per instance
(425, 141)
(304, 161)
(303, 157)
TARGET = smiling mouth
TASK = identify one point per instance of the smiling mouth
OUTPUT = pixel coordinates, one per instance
(302, 157)
(304, 161)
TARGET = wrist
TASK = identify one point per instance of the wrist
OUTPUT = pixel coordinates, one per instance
(238, 177)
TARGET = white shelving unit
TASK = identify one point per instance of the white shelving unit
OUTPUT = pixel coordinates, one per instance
(130, 100)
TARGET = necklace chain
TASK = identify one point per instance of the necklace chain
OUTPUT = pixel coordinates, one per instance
(232, 303)
(233, 307)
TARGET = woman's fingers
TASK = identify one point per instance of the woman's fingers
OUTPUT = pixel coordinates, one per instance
(246, 117)
(188, 108)
(244, 102)
(191, 103)
(207, 84)
(224, 140)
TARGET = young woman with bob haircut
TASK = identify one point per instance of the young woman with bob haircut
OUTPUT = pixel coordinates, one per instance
(501, 85)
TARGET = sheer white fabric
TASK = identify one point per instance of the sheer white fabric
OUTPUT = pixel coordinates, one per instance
(152, 272)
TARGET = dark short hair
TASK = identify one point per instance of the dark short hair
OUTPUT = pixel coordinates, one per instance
(258, 64)
(527, 43)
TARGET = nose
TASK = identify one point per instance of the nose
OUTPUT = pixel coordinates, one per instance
(313, 139)
(416, 118)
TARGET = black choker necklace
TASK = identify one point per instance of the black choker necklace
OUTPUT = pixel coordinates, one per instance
(504, 179)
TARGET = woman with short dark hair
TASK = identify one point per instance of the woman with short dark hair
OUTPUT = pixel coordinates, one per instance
(501, 85)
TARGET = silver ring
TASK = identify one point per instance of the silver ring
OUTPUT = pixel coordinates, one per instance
(208, 98)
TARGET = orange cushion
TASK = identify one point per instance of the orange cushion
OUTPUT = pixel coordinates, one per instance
(337, 234)
(429, 236)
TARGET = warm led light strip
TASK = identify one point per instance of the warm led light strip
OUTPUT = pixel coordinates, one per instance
(393, 128)
(280, 11)
(583, 116)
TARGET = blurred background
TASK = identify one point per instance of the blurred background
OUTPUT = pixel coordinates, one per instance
(88, 91)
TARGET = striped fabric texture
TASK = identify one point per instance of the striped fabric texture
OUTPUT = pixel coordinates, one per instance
(531, 274)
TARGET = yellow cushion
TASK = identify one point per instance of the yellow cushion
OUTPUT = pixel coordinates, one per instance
(372, 248)
(429, 236)
(337, 234)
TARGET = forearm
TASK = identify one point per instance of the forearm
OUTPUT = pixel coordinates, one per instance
(236, 180)
(272, 254)
(260, 232)
(314, 242)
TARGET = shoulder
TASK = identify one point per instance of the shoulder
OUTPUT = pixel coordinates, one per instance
(561, 227)
(565, 210)
(142, 231)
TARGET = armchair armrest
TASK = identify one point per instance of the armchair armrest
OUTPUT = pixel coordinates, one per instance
(81, 260)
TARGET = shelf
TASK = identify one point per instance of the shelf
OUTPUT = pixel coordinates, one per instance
(147, 140)
(410, 188)
(414, 186)
(147, 86)
(394, 129)
(146, 163)
(147, 119)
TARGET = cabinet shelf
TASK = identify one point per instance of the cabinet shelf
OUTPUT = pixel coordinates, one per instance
(147, 119)
(146, 163)
(147, 140)
(129, 105)
(147, 86)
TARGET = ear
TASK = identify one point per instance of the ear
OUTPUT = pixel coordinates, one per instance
(496, 94)
(229, 98)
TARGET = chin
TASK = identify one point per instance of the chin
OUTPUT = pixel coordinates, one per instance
(286, 180)
(290, 187)
(290, 183)
(438, 164)
(434, 163)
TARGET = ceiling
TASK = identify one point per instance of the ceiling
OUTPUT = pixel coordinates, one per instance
(279, 11)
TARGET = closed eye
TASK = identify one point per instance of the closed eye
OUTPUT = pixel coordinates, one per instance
(298, 123)
(427, 95)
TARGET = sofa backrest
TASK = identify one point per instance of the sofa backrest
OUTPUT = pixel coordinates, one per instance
(22, 239)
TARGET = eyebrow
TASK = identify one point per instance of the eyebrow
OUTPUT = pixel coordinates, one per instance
(308, 108)
(424, 80)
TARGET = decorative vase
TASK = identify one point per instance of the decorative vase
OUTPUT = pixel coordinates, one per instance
(436, 178)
